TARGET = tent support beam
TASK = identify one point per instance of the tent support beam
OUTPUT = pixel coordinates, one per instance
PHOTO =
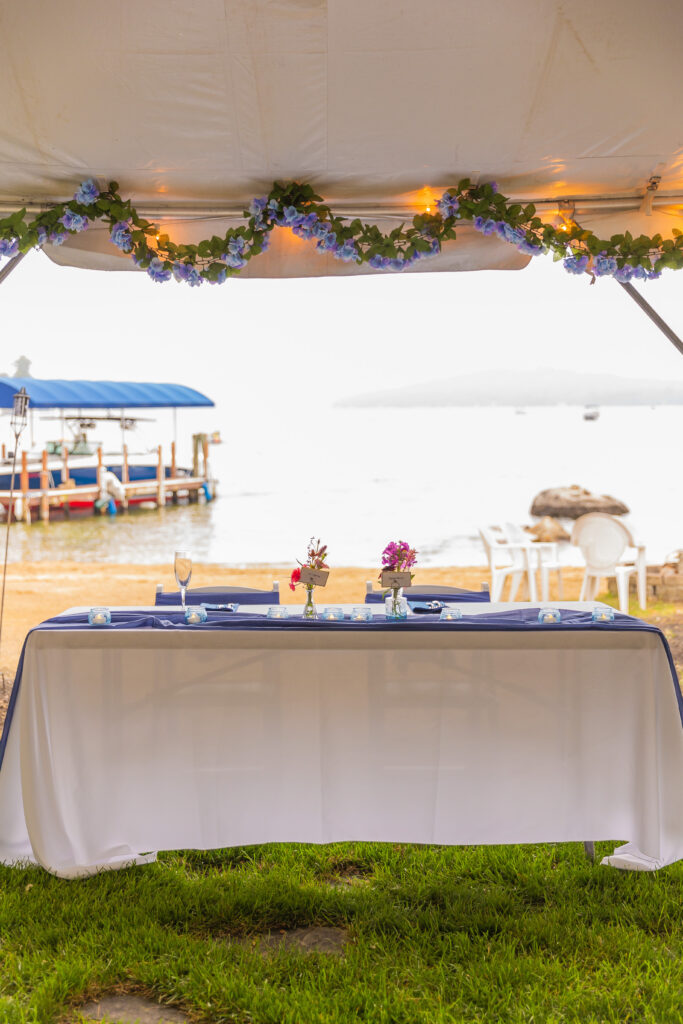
(653, 315)
(12, 265)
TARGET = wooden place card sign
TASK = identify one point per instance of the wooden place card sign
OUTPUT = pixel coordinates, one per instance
(395, 579)
(314, 577)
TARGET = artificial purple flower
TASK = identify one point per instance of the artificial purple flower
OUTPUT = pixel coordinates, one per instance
(120, 235)
(9, 246)
(320, 229)
(188, 273)
(157, 271)
(234, 260)
(74, 221)
(489, 227)
(58, 237)
(347, 252)
(290, 218)
(379, 262)
(624, 273)
(329, 242)
(42, 235)
(575, 264)
(222, 276)
(494, 186)
(87, 193)
(640, 273)
(398, 262)
(236, 244)
(265, 241)
(529, 249)
(448, 205)
(604, 266)
(257, 206)
(305, 228)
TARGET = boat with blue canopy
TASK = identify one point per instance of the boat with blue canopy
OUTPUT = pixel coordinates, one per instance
(74, 462)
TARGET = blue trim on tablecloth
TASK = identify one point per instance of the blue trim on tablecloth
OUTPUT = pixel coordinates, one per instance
(514, 620)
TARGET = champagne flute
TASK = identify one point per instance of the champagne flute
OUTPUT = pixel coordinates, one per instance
(182, 566)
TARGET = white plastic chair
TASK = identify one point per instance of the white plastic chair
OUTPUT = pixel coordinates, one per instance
(505, 560)
(542, 555)
(603, 541)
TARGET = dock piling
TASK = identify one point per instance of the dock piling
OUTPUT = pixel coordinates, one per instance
(44, 487)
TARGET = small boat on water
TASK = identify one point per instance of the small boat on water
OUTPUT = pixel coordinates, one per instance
(74, 472)
(591, 412)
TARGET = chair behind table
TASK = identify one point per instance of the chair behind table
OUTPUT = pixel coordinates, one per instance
(220, 595)
(430, 592)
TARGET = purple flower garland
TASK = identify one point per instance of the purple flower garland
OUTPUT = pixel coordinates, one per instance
(297, 207)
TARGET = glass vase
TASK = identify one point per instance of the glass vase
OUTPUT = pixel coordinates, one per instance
(310, 611)
(396, 606)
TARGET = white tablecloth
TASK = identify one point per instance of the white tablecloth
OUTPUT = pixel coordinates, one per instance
(128, 742)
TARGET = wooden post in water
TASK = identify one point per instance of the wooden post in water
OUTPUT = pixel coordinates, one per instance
(161, 489)
(124, 474)
(65, 479)
(174, 473)
(26, 511)
(44, 486)
(205, 453)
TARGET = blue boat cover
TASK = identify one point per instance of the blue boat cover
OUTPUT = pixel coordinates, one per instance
(98, 394)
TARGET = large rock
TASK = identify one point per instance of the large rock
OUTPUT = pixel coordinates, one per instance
(572, 502)
(547, 530)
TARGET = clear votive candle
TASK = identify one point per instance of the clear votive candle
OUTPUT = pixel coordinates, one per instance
(333, 614)
(99, 617)
(603, 615)
(195, 615)
(450, 614)
(549, 615)
(277, 611)
(363, 613)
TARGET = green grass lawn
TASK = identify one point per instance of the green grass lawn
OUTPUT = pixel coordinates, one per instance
(495, 934)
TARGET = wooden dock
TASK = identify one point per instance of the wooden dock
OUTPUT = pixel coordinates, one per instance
(31, 503)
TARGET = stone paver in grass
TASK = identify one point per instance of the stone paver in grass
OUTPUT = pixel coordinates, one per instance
(316, 939)
(122, 1009)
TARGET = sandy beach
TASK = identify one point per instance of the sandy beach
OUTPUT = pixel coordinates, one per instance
(38, 590)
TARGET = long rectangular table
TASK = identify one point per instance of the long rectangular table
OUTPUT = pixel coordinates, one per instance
(146, 736)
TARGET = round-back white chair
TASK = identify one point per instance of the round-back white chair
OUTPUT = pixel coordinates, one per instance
(603, 541)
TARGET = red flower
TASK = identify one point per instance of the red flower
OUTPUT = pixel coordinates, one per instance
(294, 579)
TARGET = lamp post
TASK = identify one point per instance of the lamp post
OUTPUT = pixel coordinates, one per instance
(17, 422)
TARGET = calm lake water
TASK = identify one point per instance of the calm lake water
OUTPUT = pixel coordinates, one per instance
(360, 477)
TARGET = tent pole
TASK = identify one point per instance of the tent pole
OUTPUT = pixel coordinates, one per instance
(12, 265)
(653, 315)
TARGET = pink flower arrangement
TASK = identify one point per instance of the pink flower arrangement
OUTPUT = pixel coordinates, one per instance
(315, 559)
(398, 556)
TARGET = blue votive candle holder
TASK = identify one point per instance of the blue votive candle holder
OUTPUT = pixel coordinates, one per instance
(603, 615)
(195, 615)
(363, 613)
(549, 615)
(99, 617)
(450, 614)
(333, 614)
(277, 611)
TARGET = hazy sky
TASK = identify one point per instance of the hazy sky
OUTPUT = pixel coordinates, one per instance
(291, 342)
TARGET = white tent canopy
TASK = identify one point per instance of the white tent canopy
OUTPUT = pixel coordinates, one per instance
(196, 108)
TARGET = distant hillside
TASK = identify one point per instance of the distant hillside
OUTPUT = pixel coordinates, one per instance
(528, 387)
